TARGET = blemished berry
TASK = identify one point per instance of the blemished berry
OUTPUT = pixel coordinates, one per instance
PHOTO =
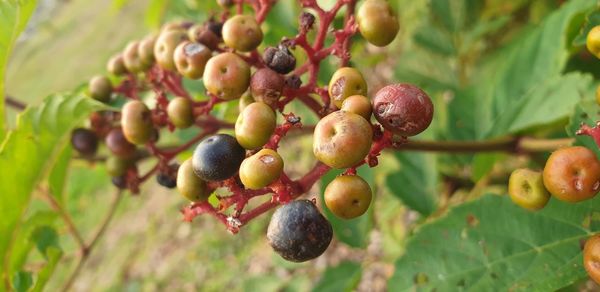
(307, 20)
(217, 157)
(358, 104)
(591, 257)
(346, 81)
(526, 189)
(180, 112)
(377, 22)
(190, 59)
(342, 139)
(227, 76)
(118, 145)
(593, 41)
(100, 88)
(403, 109)
(146, 50)
(348, 196)
(119, 181)
(245, 101)
(116, 65)
(261, 169)
(279, 59)
(190, 185)
(203, 35)
(165, 45)
(255, 125)
(293, 81)
(84, 141)
(116, 166)
(298, 232)
(242, 33)
(266, 85)
(168, 178)
(572, 174)
(136, 121)
(132, 59)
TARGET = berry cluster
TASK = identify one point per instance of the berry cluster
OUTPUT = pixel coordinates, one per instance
(224, 54)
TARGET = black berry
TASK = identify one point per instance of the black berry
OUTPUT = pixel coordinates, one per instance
(298, 232)
(168, 178)
(119, 182)
(306, 21)
(218, 157)
(215, 26)
(279, 59)
(84, 141)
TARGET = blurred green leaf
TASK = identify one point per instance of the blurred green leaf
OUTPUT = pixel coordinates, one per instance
(455, 15)
(586, 112)
(31, 150)
(264, 283)
(22, 281)
(23, 243)
(491, 244)
(343, 277)
(58, 174)
(551, 100)
(155, 13)
(415, 184)
(483, 164)
(431, 38)
(44, 238)
(14, 15)
(53, 255)
(353, 232)
(591, 20)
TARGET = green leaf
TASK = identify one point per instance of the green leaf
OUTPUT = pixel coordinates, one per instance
(22, 281)
(264, 283)
(31, 150)
(155, 13)
(415, 184)
(591, 20)
(53, 255)
(484, 163)
(343, 277)
(431, 38)
(45, 237)
(455, 15)
(14, 15)
(551, 100)
(491, 244)
(22, 243)
(353, 232)
(58, 174)
(586, 112)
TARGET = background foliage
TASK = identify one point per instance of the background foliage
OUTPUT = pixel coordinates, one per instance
(439, 221)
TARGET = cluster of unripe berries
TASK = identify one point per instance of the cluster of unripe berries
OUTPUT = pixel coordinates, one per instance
(211, 52)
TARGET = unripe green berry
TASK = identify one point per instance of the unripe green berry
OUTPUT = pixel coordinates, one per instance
(227, 76)
(181, 112)
(131, 58)
(165, 46)
(201, 34)
(146, 50)
(100, 88)
(261, 169)
(526, 189)
(190, 59)
(136, 121)
(377, 22)
(245, 101)
(116, 65)
(346, 81)
(116, 166)
(255, 125)
(242, 33)
(348, 196)
(190, 185)
(358, 104)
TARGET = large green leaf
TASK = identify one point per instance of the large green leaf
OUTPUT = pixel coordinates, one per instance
(53, 255)
(491, 244)
(353, 232)
(587, 113)
(415, 184)
(343, 277)
(30, 152)
(23, 242)
(14, 15)
(551, 100)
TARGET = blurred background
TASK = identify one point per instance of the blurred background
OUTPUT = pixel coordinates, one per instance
(148, 248)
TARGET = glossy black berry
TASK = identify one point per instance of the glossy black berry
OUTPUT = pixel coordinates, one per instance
(168, 178)
(84, 141)
(298, 232)
(217, 157)
(215, 26)
(120, 182)
(279, 59)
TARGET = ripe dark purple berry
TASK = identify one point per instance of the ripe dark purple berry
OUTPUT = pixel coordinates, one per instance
(279, 59)
(168, 178)
(403, 109)
(298, 232)
(218, 157)
(84, 141)
(120, 182)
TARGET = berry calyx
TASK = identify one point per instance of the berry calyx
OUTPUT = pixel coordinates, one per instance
(298, 232)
